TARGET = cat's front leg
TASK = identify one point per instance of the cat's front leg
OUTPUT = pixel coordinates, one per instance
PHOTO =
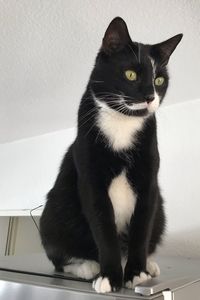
(109, 280)
(139, 236)
(98, 210)
(134, 275)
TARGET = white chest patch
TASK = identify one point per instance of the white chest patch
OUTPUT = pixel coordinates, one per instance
(119, 129)
(123, 200)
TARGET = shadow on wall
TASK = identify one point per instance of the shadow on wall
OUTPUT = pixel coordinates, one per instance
(182, 243)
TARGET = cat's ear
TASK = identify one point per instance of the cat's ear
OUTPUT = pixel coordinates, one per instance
(116, 36)
(163, 51)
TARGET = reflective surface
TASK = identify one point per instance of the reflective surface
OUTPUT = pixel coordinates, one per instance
(33, 277)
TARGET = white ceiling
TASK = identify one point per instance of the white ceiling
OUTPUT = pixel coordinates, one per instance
(47, 50)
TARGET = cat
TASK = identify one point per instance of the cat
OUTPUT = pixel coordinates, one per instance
(104, 215)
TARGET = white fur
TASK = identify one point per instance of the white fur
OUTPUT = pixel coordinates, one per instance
(137, 106)
(102, 285)
(86, 269)
(123, 200)
(153, 105)
(153, 268)
(154, 67)
(119, 129)
(131, 284)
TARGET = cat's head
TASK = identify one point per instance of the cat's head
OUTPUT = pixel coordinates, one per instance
(130, 77)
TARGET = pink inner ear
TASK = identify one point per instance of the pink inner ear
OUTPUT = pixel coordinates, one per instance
(113, 36)
(113, 39)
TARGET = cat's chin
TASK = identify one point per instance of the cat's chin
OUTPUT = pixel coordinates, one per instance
(136, 113)
(143, 108)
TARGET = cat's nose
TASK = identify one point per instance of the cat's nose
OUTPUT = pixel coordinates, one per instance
(149, 98)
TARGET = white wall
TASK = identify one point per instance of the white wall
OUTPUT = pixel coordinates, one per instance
(48, 50)
(28, 168)
(179, 144)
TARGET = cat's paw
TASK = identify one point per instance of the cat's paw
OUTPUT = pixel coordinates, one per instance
(102, 285)
(88, 269)
(153, 268)
(137, 279)
(108, 283)
(133, 277)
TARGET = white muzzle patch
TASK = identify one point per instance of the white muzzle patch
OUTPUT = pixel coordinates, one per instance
(137, 106)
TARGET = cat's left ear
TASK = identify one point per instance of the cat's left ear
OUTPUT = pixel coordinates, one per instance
(116, 36)
(163, 51)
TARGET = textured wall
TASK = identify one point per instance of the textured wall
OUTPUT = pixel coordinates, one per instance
(47, 49)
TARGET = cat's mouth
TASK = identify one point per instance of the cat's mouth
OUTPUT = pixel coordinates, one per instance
(125, 105)
(142, 108)
(137, 106)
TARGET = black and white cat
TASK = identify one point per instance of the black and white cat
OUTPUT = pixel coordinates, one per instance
(104, 216)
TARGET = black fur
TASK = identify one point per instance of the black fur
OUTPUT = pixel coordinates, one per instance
(78, 219)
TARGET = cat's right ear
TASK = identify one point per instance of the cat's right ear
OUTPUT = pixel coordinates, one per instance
(116, 36)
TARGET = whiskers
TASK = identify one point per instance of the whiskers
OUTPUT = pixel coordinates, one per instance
(83, 119)
(108, 95)
(97, 81)
(138, 55)
(115, 103)
(133, 53)
(139, 52)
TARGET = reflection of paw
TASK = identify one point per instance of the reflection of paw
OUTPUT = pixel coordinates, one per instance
(102, 285)
(131, 284)
(153, 268)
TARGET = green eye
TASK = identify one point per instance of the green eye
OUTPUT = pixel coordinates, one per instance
(130, 75)
(159, 81)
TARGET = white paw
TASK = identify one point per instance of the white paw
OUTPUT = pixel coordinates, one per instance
(137, 280)
(86, 269)
(153, 268)
(102, 285)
